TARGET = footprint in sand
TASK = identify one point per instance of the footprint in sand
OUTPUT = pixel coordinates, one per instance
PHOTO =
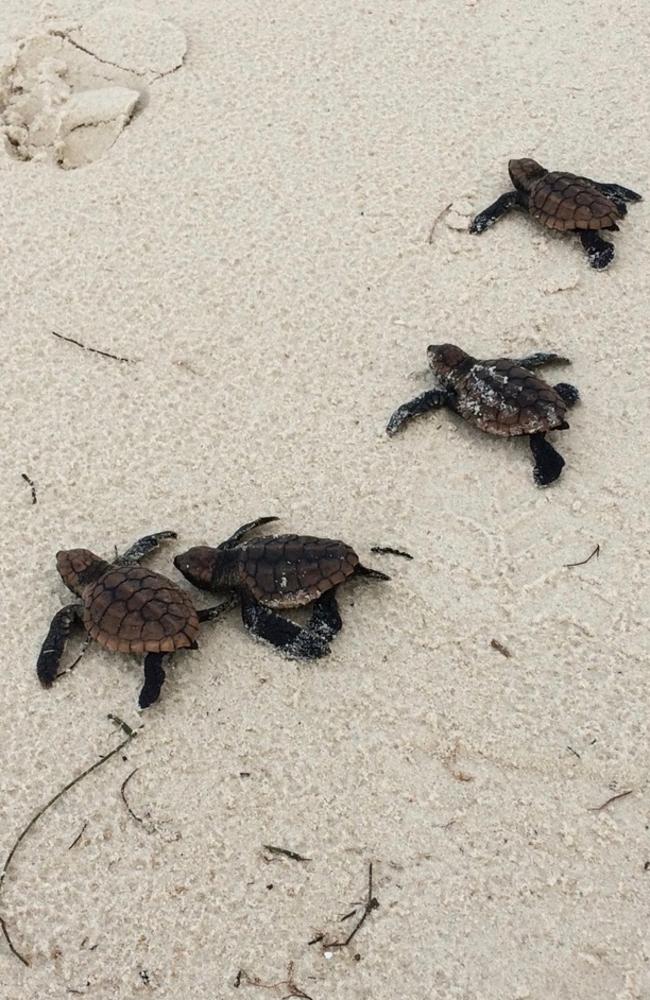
(67, 94)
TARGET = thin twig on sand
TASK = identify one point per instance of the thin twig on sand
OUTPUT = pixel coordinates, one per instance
(289, 983)
(32, 486)
(612, 798)
(93, 350)
(41, 812)
(437, 219)
(583, 562)
(388, 550)
(371, 903)
(284, 852)
(137, 818)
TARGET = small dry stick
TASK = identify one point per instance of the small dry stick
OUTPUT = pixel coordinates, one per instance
(138, 819)
(288, 983)
(371, 904)
(115, 719)
(82, 652)
(41, 812)
(31, 484)
(93, 350)
(583, 562)
(12, 947)
(614, 798)
(500, 648)
(387, 550)
(79, 836)
(437, 220)
(285, 853)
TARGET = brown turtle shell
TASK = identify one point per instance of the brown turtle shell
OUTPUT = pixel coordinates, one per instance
(129, 609)
(566, 202)
(503, 398)
(287, 571)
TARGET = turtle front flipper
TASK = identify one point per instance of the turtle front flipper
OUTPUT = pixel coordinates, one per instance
(598, 250)
(143, 546)
(245, 528)
(49, 658)
(548, 462)
(492, 214)
(154, 678)
(431, 400)
(285, 635)
(540, 358)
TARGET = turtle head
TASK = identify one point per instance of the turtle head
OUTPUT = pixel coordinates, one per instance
(79, 567)
(524, 173)
(198, 565)
(448, 361)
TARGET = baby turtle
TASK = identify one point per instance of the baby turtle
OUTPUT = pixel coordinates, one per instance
(501, 397)
(125, 608)
(564, 202)
(279, 571)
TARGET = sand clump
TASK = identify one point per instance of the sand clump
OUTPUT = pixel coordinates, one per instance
(67, 95)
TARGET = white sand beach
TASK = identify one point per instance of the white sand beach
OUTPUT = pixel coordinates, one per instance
(263, 208)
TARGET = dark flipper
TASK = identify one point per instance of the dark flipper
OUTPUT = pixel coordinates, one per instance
(324, 624)
(599, 251)
(245, 528)
(431, 400)
(620, 204)
(52, 650)
(491, 214)
(143, 546)
(567, 392)
(154, 678)
(285, 635)
(548, 462)
(266, 624)
(541, 358)
(617, 192)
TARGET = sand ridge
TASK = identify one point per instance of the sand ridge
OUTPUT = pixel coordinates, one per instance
(67, 94)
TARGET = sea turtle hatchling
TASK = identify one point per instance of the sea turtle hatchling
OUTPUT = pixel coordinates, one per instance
(125, 608)
(276, 572)
(564, 202)
(502, 397)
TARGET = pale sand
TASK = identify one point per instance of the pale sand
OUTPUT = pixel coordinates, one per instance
(256, 240)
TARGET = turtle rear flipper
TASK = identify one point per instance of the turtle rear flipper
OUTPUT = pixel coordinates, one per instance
(324, 624)
(548, 462)
(541, 358)
(598, 250)
(374, 574)
(300, 643)
(154, 678)
(617, 192)
(568, 393)
(492, 214)
(266, 624)
(49, 658)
